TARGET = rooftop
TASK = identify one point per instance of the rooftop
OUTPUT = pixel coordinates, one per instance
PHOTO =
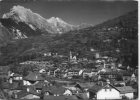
(55, 90)
(34, 76)
(125, 89)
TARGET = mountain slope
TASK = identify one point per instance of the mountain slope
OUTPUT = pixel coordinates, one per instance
(117, 37)
(5, 35)
(19, 30)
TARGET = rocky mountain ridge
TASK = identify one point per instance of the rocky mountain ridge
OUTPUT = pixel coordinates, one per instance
(52, 25)
(23, 23)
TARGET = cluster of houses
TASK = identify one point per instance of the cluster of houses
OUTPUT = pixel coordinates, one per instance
(35, 86)
(72, 80)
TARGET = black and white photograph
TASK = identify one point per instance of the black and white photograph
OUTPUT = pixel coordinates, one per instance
(69, 50)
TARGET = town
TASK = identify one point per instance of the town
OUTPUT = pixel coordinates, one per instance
(59, 77)
(69, 50)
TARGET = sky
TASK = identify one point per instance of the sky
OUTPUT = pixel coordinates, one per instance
(74, 12)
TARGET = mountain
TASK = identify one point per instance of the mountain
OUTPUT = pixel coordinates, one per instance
(116, 37)
(23, 23)
(35, 21)
(60, 25)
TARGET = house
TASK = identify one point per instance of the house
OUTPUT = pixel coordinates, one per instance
(73, 88)
(57, 91)
(56, 72)
(68, 92)
(32, 78)
(109, 74)
(52, 71)
(107, 91)
(88, 72)
(42, 71)
(63, 74)
(47, 71)
(84, 86)
(73, 72)
(47, 54)
(119, 83)
(126, 91)
(39, 86)
(54, 90)
(17, 77)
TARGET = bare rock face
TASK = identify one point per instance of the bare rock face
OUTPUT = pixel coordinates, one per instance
(5, 35)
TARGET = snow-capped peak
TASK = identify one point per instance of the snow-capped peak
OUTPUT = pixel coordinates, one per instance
(17, 12)
(35, 21)
(53, 20)
(56, 20)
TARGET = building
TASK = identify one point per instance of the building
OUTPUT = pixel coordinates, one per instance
(126, 91)
(109, 74)
(56, 91)
(42, 71)
(88, 72)
(84, 86)
(52, 71)
(107, 91)
(73, 88)
(32, 78)
(72, 59)
(39, 86)
(17, 77)
(119, 83)
(73, 72)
